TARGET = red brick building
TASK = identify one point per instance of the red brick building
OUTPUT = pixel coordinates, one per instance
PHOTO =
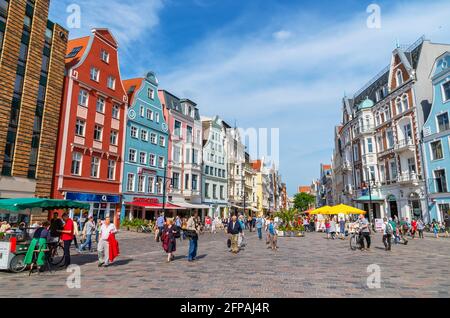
(89, 158)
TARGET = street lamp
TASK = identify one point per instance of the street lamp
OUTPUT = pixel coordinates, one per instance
(165, 184)
(370, 179)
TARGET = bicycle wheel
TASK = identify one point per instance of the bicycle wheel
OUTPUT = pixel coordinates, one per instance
(56, 255)
(354, 242)
(17, 264)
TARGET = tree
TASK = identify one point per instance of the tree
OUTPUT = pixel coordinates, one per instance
(303, 201)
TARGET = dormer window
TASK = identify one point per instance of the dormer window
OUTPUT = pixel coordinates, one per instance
(399, 78)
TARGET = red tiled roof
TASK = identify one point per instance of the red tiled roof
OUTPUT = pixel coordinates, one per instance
(326, 167)
(80, 42)
(304, 189)
(256, 165)
(128, 85)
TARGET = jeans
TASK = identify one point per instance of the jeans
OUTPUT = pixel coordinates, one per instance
(260, 233)
(421, 234)
(387, 241)
(87, 243)
(365, 235)
(67, 252)
(193, 244)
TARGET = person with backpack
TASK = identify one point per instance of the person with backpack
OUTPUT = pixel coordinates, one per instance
(388, 231)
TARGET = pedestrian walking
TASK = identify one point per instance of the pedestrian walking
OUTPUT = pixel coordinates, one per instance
(420, 228)
(88, 231)
(342, 228)
(327, 227)
(106, 236)
(234, 229)
(160, 221)
(413, 229)
(435, 226)
(242, 234)
(67, 237)
(364, 232)
(193, 230)
(273, 235)
(333, 229)
(75, 232)
(447, 225)
(169, 239)
(98, 226)
(404, 230)
(259, 224)
(387, 234)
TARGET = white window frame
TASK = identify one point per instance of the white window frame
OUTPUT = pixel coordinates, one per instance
(133, 181)
(116, 111)
(163, 139)
(115, 141)
(80, 123)
(143, 162)
(111, 82)
(431, 150)
(141, 186)
(142, 111)
(151, 93)
(144, 135)
(149, 114)
(152, 160)
(103, 104)
(444, 100)
(104, 56)
(136, 130)
(161, 163)
(101, 133)
(83, 98)
(93, 162)
(94, 74)
(437, 120)
(80, 162)
(153, 138)
(151, 184)
(113, 167)
(402, 80)
(135, 155)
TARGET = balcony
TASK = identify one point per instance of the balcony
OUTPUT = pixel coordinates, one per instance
(408, 177)
(405, 145)
(365, 130)
(347, 166)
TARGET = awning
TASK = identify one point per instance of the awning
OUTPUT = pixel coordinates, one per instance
(187, 205)
(366, 198)
(21, 204)
(155, 206)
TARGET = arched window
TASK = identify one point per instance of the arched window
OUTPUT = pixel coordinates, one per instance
(399, 105)
(399, 78)
(405, 102)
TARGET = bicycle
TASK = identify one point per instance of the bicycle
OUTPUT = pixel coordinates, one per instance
(355, 241)
(56, 253)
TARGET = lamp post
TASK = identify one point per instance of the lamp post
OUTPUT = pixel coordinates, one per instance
(165, 182)
(370, 179)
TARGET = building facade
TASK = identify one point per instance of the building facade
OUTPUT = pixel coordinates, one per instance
(325, 191)
(32, 51)
(146, 150)
(185, 153)
(380, 136)
(250, 197)
(436, 143)
(215, 165)
(90, 146)
(235, 151)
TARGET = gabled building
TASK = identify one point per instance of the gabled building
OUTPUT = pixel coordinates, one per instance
(185, 154)
(90, 147)
(215, 167)
(436, 141)
(146, 150)
(32, 51)
(380, 135)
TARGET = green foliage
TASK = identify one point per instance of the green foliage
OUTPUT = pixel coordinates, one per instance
(135, 223)
(302, 201)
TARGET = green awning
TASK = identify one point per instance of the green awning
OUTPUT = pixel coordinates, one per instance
(366, 198)
(21, 204)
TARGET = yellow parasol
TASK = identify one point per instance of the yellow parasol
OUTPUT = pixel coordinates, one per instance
(323, 210)
(345, 209)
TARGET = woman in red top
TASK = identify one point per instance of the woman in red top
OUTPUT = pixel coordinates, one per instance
(67, 237)
(327, 227)
(413, 228)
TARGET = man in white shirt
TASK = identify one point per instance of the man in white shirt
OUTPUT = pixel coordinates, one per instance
(103, 244)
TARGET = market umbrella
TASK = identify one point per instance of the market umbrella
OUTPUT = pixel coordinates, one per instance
(346, 209)
(323, 210)
(21, 204)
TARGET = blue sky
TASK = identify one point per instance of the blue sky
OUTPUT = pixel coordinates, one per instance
(263, 63)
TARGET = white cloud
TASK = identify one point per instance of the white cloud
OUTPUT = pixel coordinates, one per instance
(282, 35)
(264, 82)
(128, 20)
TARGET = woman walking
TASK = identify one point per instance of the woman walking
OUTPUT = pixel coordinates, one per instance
(169, 240)
(420, 228)
(327, 227)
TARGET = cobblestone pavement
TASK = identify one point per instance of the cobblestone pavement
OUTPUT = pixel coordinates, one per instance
(302, 267)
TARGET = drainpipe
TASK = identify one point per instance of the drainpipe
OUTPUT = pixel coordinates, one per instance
(424, 174)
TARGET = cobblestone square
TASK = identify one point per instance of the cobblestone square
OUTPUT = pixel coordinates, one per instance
(302, 267)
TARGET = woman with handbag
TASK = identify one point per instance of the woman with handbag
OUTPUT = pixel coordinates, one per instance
(169, 240)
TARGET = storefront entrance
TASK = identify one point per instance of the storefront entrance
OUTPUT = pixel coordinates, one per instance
(415, 206)
(393, 207)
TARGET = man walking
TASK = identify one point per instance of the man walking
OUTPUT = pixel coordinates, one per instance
(106, 229)
(193, 226)
(67, 237)
(387, 234)
(88, 231)
(364, 232)
(342, 228)
(259, 224)
(234, 229)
